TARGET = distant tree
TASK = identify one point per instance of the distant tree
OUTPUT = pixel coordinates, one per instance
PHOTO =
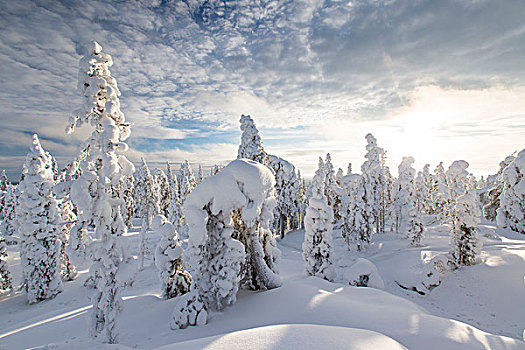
(187, 180)
(465, 242)
(8, 226)
(317, 246)
(441, 195)
(6, 282)
(127, 193)
(95, 192)
(148, 207)
(162, 187)
(511, 212)
(251, 146)
(200, 175)
(175, 213)
(349, 169)
(38, 218)
(174, 278)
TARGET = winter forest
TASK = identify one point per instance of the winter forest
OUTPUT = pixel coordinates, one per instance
(180, 258)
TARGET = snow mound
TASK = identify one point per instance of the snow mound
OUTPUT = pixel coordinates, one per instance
(294, 336)
(363, 273)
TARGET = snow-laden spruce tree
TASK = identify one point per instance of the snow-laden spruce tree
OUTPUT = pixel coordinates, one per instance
(38, 221)
(67, 217)
(187, 180)
(441, 195)
(301, 196)
(148, 201)
(8, 215)
(496, 186)
(162, 188)
(286, 187)
(237, 202)
(200, 175)
(408, 220)
(465, 243)
(358, 224)
(95, 192)
(318, 252)
(251, 146)
(127, 193)
(373, 177)
(175, 213)
(457, 175)
(174, 279)
(4, 181)
(331, 188)
(5, 276)
(511, 212)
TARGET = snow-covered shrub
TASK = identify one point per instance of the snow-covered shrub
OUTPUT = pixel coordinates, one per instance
(363, 273)
(435, 269)
(174, 278)
(317, 246)
(95, 192)
(38, 218)
(148, 201)
(465, 243)
(5, 276)
(511, 212)
(189, 310)
(244, 188)
(251, 146)
(358, 225)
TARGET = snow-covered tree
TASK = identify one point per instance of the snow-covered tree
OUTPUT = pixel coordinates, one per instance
(127, 193)
(331, 188)
(338, 176)
(425, 185)
(495, 188)
(5, 276)
(511, 212)
(8, 226)
(373, 176)
(465, 243)
(200, 175)
(251, 146)
(148, 201)
(3, 182)
(441, 195)
(175, 212)
(358, 224)
(162, 187)
(187, 180)
(95, 192)
(67, 216)
(457, 178)
(317, 246)
(408, 220)
(38, 219)
(228, 215)
(174, 278)
(349, 169)
(301, 196)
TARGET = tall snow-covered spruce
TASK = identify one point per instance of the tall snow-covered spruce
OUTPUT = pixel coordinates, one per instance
(251, 146)
(230, 244)
(317, 245)
(511, 212)
(95, 192)
(38, 219)
(373, 178)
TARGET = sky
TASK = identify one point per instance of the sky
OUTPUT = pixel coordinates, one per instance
(436, 80)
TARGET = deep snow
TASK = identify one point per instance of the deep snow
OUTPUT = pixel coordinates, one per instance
(307, 311)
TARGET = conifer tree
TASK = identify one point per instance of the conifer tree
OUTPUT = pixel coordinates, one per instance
(67, 216)
(251, 146)
(95, 192)
(148, 207)
(127, 193)
(358, 224)
(162, 188)
(200, 175)
(465, 243)
(187, 180)
(330, 188)
(495, 189)
(8, 215)
(38, 218)
(174, 278)
(441, 196)
(317, 245)
(6, 282)
(511, 212)
(373, 177)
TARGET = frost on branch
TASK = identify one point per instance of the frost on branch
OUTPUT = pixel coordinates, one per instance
(230, 244)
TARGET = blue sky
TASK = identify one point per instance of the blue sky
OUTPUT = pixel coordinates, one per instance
(438, 80)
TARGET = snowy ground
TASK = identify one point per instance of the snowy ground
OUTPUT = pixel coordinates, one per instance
(475, 307)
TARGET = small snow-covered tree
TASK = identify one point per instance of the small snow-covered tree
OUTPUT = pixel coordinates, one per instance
(8, 215)
(301, 195)
(465, 243)
(38, 218)
(95, 192)
(174, 278)
(358, 224)
(511, 212)
(251, 146)
(237, 202)
(187, 180)
(441, 195)
(127, 193)
(496, 186)
(317, 245)
(148, 201)
(3, 182)
(5, 276)
(162, 188)
(349, 169)
(408, 220)
(200, 175)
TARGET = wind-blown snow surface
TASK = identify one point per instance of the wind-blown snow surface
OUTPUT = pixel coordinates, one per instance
(489, 296)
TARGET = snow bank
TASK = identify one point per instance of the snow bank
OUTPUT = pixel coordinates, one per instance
(363, 274)
(295, 336)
